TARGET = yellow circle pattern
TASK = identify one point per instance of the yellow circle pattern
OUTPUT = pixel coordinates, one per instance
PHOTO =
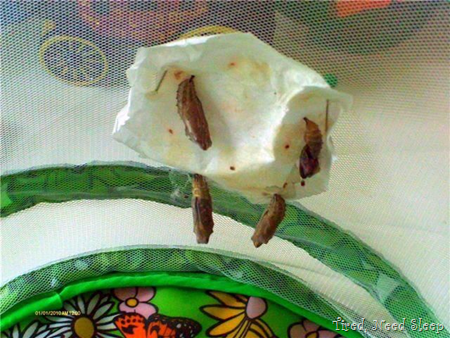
(95, 50)
(83, 327)
(132, 302)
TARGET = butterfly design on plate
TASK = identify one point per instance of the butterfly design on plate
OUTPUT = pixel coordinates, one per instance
(134, 325)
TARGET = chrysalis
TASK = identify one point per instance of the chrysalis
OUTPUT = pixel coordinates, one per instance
(191, 112)
(272, 217)
(309, 157)
(202, 209)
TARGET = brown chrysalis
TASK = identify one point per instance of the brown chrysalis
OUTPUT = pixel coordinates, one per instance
(309, 157)
(191, 112)
(202, 209)
(272, 217)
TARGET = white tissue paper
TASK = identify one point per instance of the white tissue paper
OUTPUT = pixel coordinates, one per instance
(254, 100)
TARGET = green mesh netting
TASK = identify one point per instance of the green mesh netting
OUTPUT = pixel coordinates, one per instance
(374, 246)
(322, 240)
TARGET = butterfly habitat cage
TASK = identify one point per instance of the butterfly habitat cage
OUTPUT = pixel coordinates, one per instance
(97, 204)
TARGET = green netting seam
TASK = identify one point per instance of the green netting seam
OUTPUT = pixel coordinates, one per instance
(332, 246)
(202, 281)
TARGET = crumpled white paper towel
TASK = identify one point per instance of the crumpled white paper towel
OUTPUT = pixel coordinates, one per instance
(254, 100)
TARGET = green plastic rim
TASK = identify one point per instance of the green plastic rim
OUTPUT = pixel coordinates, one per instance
(94, 266)
(54, 300)
(321, 239)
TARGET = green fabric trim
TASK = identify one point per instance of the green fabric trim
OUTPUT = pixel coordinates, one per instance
(244, 271)
(201, 281)
(321, 239)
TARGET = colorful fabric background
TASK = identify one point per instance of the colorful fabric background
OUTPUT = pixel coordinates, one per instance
(151, 312)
